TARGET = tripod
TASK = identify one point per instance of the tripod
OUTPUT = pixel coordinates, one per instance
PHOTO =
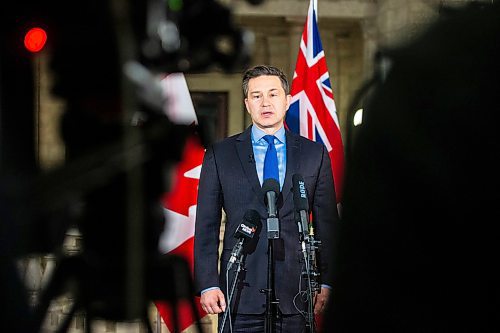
(168, 279)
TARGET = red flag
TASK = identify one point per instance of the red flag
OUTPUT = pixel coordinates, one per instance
(180, 202)
(312, 111)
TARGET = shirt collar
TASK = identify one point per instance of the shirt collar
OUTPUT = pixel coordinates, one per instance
(257, 134)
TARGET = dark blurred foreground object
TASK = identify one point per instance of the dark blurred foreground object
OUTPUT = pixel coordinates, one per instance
(105, 60)
(417, 249)
(194, 36)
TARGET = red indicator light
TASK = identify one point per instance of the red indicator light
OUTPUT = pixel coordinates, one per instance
(35, 39)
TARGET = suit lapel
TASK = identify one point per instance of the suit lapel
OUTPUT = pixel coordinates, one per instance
(245, 154)
(292, 164)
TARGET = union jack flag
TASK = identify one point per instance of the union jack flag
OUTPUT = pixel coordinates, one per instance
(312, 111)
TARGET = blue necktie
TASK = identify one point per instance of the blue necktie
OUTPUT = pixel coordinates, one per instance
(271, 160)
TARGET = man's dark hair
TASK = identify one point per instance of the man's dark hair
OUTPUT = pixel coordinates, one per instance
(262, 70)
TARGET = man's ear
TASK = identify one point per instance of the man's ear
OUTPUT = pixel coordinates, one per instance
(288, 100)
(246, 105)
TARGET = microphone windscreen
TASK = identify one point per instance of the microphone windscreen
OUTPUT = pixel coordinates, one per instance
(248, 226)
(252, 216)
(299, 193)
(271, 185)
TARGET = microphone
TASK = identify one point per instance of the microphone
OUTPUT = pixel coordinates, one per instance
(246, 230)
(301, 205)
(271, 189)
(306, 233)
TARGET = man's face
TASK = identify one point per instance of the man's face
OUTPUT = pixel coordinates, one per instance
(267, 103)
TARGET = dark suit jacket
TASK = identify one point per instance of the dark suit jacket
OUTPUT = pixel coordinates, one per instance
(229, 181)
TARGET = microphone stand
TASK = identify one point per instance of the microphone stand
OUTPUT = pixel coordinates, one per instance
(304, 238)
(309, 246)
(271, 300)
(231, 293)
(271, 188)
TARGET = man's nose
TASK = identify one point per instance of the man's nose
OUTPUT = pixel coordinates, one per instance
(266, 100)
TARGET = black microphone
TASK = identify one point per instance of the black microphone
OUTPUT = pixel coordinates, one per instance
(246, 230)
(271, 189)
(301, 205)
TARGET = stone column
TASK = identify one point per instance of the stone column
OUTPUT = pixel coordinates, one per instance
(370, 45)
(278, 51)
(400, 21)
(296, 27)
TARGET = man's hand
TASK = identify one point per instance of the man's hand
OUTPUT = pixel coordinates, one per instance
(213, 302)
(320, 300)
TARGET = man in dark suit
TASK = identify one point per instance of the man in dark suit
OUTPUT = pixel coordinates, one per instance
(231, 181)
